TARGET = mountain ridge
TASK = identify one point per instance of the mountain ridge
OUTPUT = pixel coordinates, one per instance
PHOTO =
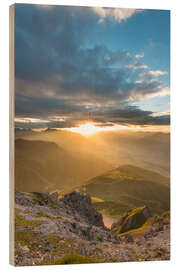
(127, 187)
(36, 160)
(51, 231)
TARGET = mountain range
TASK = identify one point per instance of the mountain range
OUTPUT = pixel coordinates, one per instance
(129, 186)
(45, 166)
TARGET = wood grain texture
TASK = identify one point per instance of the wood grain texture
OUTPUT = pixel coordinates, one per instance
(11, 135)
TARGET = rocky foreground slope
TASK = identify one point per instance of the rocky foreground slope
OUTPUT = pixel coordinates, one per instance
(70, 230)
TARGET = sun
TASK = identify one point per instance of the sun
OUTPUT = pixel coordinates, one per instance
(90, 128)
(86, 129)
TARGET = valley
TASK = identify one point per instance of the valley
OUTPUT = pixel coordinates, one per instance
(76, 202)
(63, 161)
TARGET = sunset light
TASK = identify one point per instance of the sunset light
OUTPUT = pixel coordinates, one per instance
(90, 129)
(89, 134)
(86, 129)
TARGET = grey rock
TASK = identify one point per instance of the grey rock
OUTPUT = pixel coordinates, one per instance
(83, 206)
(129, 238)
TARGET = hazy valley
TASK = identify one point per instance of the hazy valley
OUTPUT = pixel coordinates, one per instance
(64, 161)
(127, 206)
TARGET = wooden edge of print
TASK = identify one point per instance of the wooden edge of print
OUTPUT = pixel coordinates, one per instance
(11, 135)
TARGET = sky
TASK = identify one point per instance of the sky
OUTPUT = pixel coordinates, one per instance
(109, 66)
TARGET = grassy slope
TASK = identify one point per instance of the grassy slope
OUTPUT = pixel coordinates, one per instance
(128, 187)
(139, 232)
(44, 166)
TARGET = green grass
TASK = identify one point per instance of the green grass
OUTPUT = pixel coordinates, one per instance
(130, 187)
(74, 259)
(42, 214)
(137, 210)
(141, 230)
(147, 225)
(19, 221)
(53, 239)
(35, 198)
(39, 201)
(26, 237)
(159, 252)
(138, 220)
(53, 205)
(114, 209)
(96, 200)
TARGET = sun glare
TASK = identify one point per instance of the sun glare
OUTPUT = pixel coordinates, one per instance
(91, 129)
(86, 129)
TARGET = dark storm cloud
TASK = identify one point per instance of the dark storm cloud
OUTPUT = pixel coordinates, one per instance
(57, 73)
(76, 114)
(44, 107)
(131, 115)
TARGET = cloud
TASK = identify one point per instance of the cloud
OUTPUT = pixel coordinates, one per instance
(30, 120)
(163, 91)
(110, 116)
(140, 55)
(136, 65)
(58, 75)
(132, 115)
(153, 73)
(115, 14)
(167, 113)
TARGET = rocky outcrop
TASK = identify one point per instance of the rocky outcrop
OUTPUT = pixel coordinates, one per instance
(132, 219)
(83, 206)
(47, 229)
(73, 216)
